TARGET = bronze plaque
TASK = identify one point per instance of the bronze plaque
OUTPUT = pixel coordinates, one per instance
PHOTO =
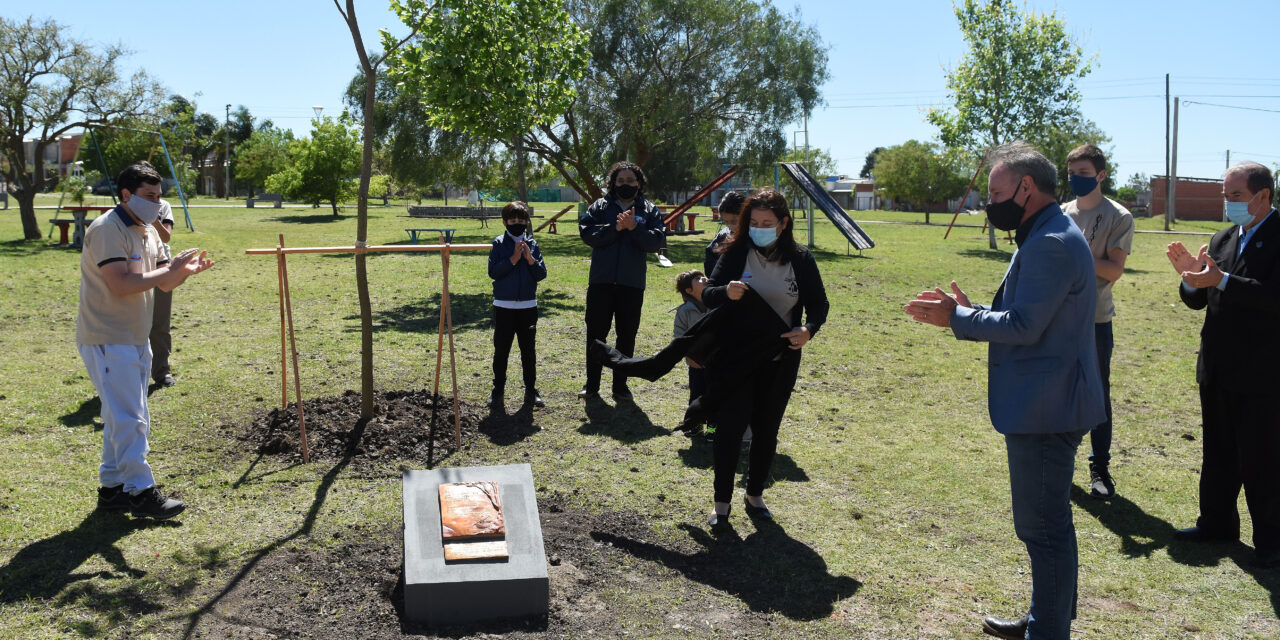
(471, 510)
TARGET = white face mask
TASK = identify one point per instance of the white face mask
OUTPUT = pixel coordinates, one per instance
(144, 210)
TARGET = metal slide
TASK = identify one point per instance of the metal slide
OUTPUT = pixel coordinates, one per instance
(829, 206)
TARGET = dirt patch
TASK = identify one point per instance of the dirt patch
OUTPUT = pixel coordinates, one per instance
(354, 590)
(398, 432)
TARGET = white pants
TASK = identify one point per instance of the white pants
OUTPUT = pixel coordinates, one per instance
(119, 374)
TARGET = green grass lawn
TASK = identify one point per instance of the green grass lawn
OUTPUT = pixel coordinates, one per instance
(889, 471)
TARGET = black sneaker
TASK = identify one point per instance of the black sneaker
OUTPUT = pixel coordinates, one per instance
(1101, 485)
(622, 392)
(113, 499)
(495, 400)
(587, 393)
(532, 397)
(152, 504)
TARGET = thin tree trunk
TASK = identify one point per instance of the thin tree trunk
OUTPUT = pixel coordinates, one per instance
(27, 211)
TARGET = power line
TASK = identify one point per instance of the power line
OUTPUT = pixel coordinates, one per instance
(1230, 106)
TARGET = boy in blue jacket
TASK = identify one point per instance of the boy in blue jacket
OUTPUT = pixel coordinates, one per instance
(515, 264)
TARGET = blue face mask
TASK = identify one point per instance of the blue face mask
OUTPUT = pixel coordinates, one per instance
(1237, 212)
(1083, 185)
(764, 236)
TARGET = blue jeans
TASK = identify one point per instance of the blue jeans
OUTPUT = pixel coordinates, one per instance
(1100, 437)
(1040, 470)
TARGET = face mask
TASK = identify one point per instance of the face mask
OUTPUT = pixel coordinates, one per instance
(626, 191)
(144, 210)
(516, 230)
(1237, 212)
(764, 236)
(1083, 185)
(1006, 215)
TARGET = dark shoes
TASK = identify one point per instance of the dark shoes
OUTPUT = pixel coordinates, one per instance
(1200, 534)
(166, 380)
(756, 512)
(113, 499)
(495, 400)
(586, 393)
(717, 520)
(1101, 486)
(152, 504)
(621, 392)
(533, 398)
(1001, 628)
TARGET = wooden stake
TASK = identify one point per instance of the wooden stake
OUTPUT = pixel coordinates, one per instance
(284, 356)
(453, 365)
(293, 347)
(966, 198)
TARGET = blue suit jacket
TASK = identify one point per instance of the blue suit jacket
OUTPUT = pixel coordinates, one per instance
(1043, 371)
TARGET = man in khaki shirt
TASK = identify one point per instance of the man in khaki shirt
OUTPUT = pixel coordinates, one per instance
(1108, 227)
(120, 266)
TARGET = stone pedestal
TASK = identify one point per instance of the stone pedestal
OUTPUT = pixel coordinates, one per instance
(440, 593)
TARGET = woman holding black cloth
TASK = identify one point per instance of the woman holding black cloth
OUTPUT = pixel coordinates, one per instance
(765, 258)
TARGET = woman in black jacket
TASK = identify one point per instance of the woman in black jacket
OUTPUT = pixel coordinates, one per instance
(764, 257)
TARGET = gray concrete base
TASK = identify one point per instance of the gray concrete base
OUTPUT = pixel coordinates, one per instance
(437, 593)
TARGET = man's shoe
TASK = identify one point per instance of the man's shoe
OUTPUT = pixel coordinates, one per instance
(113, 499)
(586, 393)
(1101, 486)
(622, 393)
(167, 380)
(1200, 534)
(152, 504)
(1001, 628)
(532, 397)
(495, 400)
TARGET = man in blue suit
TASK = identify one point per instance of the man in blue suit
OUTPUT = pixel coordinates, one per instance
(1044, 390)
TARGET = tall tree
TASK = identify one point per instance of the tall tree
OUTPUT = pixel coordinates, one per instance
(870, 165)
(494, 69)
(321, 168)
(265, 152)
(50, 84)
(1016, 80)
(919, 173)
(1058, 141)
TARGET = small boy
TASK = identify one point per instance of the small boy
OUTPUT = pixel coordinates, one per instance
(515, 265)
(690, 285)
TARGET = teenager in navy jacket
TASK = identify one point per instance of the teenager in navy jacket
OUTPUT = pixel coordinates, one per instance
(515, 264)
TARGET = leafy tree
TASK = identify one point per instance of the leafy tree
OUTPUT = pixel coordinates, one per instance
(1058, 141)
(919, 173)
(266, 152)
(870, 165)
(1016, 81)
(51, 84)
(1139, 182)
(322, 168)
(493, 69)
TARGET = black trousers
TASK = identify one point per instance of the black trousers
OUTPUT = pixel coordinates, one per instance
(161, 341)
(760, 402)
(521, 324)
(1241, 446)
(617, 305)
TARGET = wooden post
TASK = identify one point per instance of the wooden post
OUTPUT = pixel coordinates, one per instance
(965, 198)
(284, 355)
(293, 347)
(447, 310)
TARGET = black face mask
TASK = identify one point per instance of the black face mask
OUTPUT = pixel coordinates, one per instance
(516, 230)
(1006, 215)
(626, 191)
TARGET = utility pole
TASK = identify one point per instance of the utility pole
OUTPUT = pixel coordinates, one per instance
(226, 130)
(1228, 159)
(1168, 180)
(1173, 182)
(807, 167)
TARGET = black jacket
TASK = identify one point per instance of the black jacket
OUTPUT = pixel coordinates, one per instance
(813, 295)
(519, 281)
(618, 257)
(1239, 343)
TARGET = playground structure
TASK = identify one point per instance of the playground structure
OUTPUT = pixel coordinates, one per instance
(446, 326)
(850, 229)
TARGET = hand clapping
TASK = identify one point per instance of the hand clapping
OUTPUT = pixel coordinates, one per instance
(627, 220)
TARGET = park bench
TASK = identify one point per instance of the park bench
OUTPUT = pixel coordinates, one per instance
(276, 199)
(65, 227)
(446, 235)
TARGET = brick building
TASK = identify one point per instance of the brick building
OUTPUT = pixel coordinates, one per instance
(1194, 198)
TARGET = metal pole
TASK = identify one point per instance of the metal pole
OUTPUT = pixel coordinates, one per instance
(808, 200)
(177, 181)
(1228, 160)
(1167, 179)
(1173, 181)
(226, 130)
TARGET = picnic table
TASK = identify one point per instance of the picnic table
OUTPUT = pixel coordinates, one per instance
(79, 214)
(446, 235)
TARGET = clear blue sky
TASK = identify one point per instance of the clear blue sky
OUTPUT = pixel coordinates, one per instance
(887, 63)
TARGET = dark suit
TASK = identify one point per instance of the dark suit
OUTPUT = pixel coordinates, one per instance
(1236, 370)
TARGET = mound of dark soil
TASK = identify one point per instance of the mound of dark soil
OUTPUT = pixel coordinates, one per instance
(334, 430)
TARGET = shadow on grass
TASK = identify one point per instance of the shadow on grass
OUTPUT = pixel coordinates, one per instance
(700, 455)
(986, 254)
(626, 422)
(43, 569)
(471, 311)
(505, 429)
(1142, 533)
(322, 216)
(23, 248)
(84, 414)
(768, 571)
(304, 530)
